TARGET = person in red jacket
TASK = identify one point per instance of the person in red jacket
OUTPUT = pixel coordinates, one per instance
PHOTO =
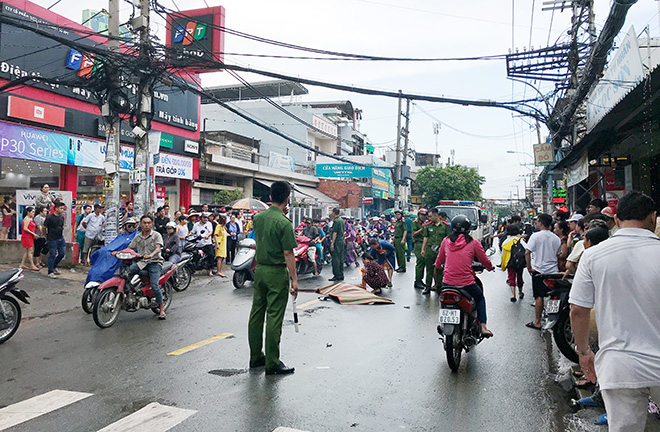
(457, 252)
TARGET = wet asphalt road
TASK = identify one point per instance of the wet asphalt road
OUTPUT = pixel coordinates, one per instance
(358, 368)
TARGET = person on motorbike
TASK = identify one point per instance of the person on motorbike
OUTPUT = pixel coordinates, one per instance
(457, 252)
(148, 243)
(312, 233)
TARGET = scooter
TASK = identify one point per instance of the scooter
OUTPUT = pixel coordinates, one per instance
(195, 256)
(557, 315)
(119, 292)
(458, 324)
(10, 309)
(303, 264)
(244, 262)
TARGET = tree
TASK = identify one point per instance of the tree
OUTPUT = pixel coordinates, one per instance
(449, 183)
(223, 197)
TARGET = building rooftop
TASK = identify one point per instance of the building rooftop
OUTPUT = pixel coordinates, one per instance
(271, 89)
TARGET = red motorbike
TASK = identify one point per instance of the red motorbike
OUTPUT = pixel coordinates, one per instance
(119, 292)
(303, 264)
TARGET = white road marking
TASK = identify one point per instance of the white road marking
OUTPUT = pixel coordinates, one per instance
(28, 409)
(153, 418)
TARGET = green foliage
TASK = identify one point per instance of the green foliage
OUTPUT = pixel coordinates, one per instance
(503, 211)
(449, 183)
(223, 197)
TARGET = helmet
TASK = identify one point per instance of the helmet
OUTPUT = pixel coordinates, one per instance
(170, 225)
(460, 224)
(422, 211)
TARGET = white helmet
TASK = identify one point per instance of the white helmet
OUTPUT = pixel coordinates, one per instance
(170, 225)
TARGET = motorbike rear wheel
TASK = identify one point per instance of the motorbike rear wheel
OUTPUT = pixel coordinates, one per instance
(105, 312)
(563, 335)
(168, 292)
(239, 279)
(183, 277)
(453, 350)
(87, 301)
(12, 320)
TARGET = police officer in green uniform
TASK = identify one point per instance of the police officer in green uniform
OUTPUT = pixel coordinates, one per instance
(400, 232)
(434, 233)
(418, 239)
(337, 246)
(275, 239)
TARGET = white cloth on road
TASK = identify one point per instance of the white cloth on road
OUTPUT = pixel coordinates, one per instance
(620, 278)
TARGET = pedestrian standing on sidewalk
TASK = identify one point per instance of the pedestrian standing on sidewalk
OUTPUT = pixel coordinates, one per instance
(220, 237)
(54, 225)
(337, 246)
(40, 247)
(400, 234)
(43, 198)
(434, 233)
(27, 239)
(417, 230)
(182, 230)
(233, 230)
(80, 230)
(620, 279)
(7, 213)
(93, 223)
(275, 265)
(545, 246)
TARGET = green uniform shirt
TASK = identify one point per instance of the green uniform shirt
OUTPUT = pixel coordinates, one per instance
(399, 228)
(436, 233)
(338, 227)
(416, 225)
(273, 233)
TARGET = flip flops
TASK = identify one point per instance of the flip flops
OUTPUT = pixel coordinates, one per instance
(532, 326)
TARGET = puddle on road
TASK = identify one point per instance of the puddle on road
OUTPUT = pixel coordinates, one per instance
(227, 372)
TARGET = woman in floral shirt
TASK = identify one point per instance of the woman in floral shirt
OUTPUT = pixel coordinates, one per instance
(373, 274)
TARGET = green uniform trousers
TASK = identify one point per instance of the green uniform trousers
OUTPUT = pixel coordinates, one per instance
(400, 251)
(338, 262)
(431, 271)
(271, 290)
(420, 263)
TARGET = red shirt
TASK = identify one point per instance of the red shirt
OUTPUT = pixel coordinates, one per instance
(458, 257)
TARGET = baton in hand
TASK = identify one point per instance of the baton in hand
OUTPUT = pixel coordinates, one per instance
(295, 314)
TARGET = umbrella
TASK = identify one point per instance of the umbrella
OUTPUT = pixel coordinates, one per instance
(248, 204)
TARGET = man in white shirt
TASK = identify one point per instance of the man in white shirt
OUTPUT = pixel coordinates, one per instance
(545, 245)
(93, 223)
(204, 228)
(620, 279)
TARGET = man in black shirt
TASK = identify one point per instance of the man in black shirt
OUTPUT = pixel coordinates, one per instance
(161, 221)
(54, 223)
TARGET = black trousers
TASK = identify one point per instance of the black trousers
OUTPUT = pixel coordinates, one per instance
(231, 249)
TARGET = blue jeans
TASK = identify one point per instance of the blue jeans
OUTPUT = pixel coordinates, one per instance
(480, 301)
(56, 253)
(153, 270)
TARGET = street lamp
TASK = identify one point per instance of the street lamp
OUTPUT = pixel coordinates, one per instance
(525, 153)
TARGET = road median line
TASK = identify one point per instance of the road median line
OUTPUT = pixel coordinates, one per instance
(309, 303)
(199, 344)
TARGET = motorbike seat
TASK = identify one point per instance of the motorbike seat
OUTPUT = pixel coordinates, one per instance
(166, 266)
(459, 290)
(6, 275)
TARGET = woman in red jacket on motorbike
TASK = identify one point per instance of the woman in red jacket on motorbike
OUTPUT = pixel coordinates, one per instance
(457, 252)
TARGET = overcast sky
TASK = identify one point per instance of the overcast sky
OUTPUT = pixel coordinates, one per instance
(480, 137)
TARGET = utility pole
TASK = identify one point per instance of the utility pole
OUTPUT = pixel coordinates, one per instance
(405, 170)
(397, 166)
(112, 126)
(436, 132)
(143, 192)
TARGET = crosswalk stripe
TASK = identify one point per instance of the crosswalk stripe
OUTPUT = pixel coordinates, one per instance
(153, 418)
(199, 344)
(28, 409)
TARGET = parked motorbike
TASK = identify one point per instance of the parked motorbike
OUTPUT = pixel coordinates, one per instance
(199, 259)
(10, 309)
(557, 315)
(303, 264)
(458, 324)
(131, 295)
(244, 262)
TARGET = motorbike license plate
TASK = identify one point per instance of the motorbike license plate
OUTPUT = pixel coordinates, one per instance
(449, 316)
(552, 306)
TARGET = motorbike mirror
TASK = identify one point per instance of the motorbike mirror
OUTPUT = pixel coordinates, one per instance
(483, 218)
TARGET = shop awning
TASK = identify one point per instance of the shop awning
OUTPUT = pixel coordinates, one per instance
(311, 195)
